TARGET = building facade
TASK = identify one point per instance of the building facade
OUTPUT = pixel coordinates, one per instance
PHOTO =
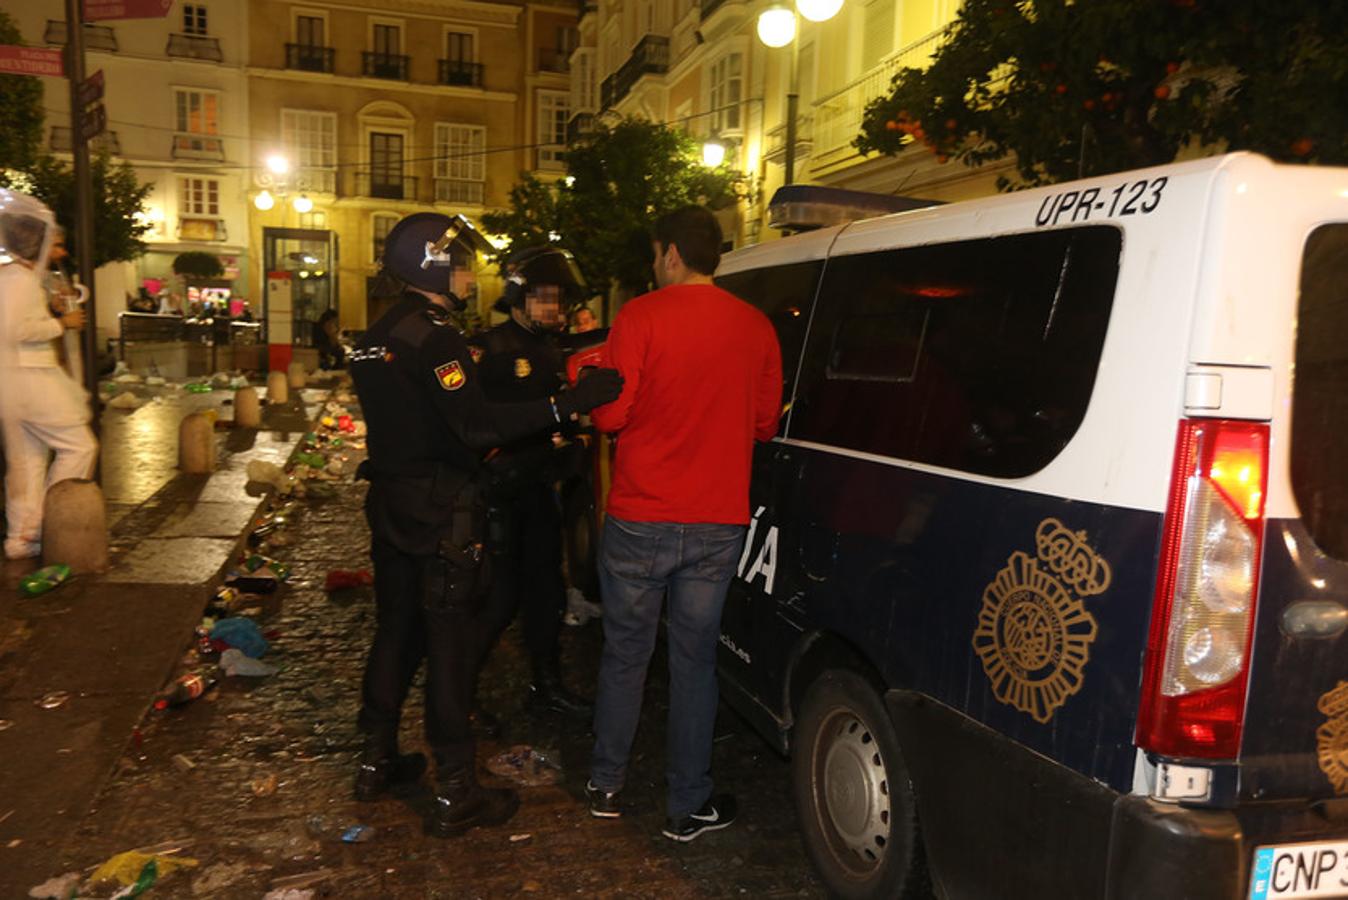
(177, 107)
(373, 111)
(699, 64)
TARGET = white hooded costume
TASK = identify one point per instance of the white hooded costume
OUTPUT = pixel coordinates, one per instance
(41, 407)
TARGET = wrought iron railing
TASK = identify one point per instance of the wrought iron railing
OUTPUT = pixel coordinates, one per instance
(385, 65)
(460, 72)
(194, 46)
(309, 57)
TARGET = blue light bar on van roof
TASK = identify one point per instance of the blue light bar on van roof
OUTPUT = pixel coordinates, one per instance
(802, 207)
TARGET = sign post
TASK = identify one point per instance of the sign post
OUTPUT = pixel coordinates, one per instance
(84, 192)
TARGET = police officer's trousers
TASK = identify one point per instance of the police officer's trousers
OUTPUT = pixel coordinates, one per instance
(408, 630)
(524, 537)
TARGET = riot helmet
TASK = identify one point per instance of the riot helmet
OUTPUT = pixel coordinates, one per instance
(418, 251)
(27, 228)
(542, 283)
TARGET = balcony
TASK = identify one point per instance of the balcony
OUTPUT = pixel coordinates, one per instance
(837, 116)
(456, 190)
(105, 142)
(187, 145)
(386, 185)
(460, 72)
(650, 57)
(309, 57)
(316, 180)
(392, 66)
(96, 37)
(194, 46)
(581, 124)
(710, 6)
(550, 60)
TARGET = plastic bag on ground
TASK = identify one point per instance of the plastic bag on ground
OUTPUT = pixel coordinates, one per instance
(268, 473)
(124, 400)
(243, 633)
(578, 609)
(235, 662)
(62, 887)
(125, 868)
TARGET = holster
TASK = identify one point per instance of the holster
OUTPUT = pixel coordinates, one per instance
(457, 576)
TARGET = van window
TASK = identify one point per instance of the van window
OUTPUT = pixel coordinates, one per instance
(976, 355)
(1320, 391)
(784, 294)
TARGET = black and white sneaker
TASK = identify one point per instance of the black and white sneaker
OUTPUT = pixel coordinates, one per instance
(603, 804)
(715, 814)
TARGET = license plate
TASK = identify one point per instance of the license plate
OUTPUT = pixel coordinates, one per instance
(1294, 871)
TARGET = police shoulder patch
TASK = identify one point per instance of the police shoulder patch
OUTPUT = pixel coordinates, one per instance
(451, 375)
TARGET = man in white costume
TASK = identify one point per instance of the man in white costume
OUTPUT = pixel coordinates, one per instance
(41, 407)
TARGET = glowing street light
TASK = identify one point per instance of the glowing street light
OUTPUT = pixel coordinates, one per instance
(278, 164)
(264, 201)
(302, 203)
(713, 153)
(776, 26)
(818, 10)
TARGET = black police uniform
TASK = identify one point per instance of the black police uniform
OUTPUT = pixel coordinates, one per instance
(428, 424)
(524, 531)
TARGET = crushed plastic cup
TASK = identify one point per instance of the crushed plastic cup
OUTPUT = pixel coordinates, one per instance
(53, 700)
(525, 765)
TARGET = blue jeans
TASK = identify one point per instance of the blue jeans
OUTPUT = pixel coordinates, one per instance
(638, 563)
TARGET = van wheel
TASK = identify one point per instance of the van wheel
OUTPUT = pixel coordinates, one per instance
(853, 795)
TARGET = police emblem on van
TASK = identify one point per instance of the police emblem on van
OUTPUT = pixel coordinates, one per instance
(1332, 737)
(1034, 633)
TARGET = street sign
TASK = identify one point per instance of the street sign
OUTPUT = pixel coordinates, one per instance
(97, 10)
(31, 60)
(93, 122)
(90, 89)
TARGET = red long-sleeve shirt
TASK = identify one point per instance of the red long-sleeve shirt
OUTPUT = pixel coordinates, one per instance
(703, 380)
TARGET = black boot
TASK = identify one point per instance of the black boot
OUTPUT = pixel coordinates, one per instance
(382, 766)
(548, 692)
(461, 803)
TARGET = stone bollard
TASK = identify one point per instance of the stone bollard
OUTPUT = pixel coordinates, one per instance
(196, 444)
(278, 388)
(247, 409)
(75, 526)
(296, 375)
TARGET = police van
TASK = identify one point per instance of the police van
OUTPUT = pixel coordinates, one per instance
(1046, 586)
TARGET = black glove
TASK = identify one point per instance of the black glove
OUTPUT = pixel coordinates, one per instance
(595, 389)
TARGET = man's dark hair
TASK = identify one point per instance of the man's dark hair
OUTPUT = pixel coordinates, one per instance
(697, 234)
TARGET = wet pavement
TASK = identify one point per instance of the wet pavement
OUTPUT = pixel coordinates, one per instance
(254, 780)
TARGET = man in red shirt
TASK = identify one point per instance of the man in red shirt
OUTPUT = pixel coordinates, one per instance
(703, 377)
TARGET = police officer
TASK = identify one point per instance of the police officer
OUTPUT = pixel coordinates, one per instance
(518, 360)
(429, 425)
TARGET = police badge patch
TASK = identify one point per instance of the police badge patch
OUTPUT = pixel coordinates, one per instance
(450, 375)
(1332, 737)
(522, 367)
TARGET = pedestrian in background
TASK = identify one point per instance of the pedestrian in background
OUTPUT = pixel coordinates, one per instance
(519, 360)
(42, 410)
(429, 425)
(583, 320)
(702, 382)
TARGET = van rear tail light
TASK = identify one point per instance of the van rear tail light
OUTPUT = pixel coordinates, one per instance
(1198, 650)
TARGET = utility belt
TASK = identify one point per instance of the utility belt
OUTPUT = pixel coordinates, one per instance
(436, 512)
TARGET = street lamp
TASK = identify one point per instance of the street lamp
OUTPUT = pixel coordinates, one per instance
(777, 28)
(264, 201)
(713, 152)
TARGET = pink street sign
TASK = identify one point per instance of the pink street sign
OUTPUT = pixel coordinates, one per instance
(30, 60)
(96, 10)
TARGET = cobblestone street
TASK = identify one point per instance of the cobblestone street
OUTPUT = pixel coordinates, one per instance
(254, 779)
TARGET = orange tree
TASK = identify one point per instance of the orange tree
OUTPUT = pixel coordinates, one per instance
(1086, 87)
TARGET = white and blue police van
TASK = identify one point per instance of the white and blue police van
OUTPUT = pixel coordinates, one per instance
(1046, 587)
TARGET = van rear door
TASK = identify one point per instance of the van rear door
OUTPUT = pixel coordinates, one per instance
(1295, 741)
